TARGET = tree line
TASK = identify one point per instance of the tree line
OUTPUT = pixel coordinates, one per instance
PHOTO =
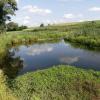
(12, 26)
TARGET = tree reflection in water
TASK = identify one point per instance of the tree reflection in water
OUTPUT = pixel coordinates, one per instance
(10, 65)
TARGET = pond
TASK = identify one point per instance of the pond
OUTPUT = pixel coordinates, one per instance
(21, 59)
(44, 55)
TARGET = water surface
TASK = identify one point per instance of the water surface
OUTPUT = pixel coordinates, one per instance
(44, 55)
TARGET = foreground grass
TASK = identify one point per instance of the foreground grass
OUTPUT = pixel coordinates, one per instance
(5, 92)
(58, 83)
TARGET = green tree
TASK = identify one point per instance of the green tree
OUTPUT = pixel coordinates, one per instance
(7, 8)
(22, 27)
(42, 25)
(11, 26)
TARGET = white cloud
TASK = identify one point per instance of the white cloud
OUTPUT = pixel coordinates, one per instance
(70, 0)
(25, 21)
(94, 9)
(37, 10)
(27, 17)
(37, 50)
(71, 16)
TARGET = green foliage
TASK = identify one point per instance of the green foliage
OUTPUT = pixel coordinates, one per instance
(5, 92)
(87, 33)
(2, 28)
(9, 65)
(22, 27)
(58, 83)
(42, 25)
(12, 26)
(19, 37)
(7, 8)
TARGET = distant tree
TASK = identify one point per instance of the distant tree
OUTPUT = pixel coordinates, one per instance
(12, 26)
(48, 24)
(42, 25)
(22, 27)
(7, 8)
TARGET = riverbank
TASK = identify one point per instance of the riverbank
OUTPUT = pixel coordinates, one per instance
(88, 40)
(57, 83)
(86, 33)
(20, 37)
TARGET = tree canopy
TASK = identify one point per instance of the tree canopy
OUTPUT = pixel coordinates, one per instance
(7, 9)
(12, 26)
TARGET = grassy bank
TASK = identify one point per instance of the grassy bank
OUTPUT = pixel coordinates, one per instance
(58, 83)
(88, 40)
(5, 92)
(87, 33)
(20, 37)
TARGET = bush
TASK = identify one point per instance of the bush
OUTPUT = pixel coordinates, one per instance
(12, 26)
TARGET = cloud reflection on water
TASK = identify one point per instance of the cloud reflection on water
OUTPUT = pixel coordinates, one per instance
(37, 50)
(69, 60)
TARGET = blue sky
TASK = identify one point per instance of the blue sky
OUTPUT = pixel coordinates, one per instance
(35, 12)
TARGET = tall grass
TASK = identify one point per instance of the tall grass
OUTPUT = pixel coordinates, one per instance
(19, 37)
(5, 92)
(88, 34)
(58, 83)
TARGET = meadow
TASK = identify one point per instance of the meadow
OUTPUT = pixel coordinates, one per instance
(57, 83)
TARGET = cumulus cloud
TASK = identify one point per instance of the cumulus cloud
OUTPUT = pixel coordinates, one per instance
(94, 9)
(27, 17)
(70, 16)
(37, 50)
(37, 10)
(69, 0)
(26, 20)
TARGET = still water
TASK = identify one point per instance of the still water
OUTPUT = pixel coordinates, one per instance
(41, 56)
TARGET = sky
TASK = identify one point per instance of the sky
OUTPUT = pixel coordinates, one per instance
(35, 12)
